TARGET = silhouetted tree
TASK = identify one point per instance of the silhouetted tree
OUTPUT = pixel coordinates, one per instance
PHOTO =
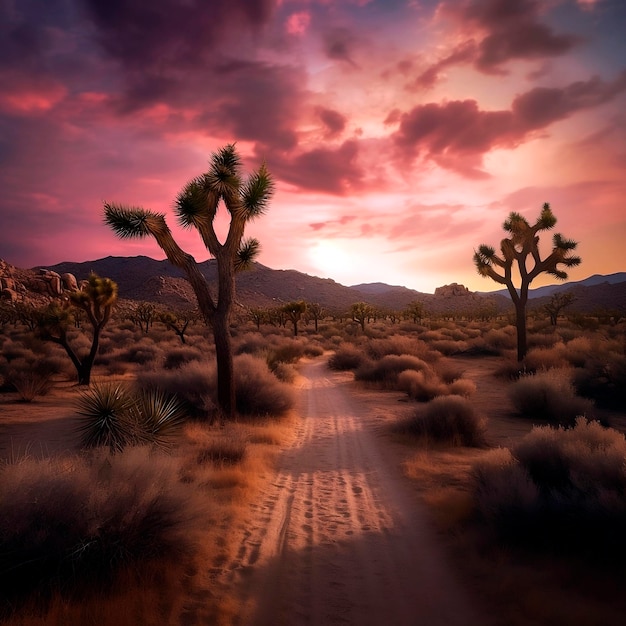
(414, 311)
(557, 303)
(96, 299)
(197, 206)
(361, 312)
(294, 312)
(178, 321)
(316, 312)
(257, 315)
(518, 250)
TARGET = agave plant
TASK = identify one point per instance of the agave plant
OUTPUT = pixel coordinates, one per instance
(113, 416)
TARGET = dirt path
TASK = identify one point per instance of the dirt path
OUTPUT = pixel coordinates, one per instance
(338, 538)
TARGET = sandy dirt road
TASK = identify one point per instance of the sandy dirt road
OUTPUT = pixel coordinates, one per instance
(338, 537)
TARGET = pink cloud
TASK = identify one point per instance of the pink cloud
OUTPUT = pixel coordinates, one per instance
(298, 23)
(497, 32)
(457, 134)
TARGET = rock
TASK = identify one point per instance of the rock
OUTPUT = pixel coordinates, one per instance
(9, 294)
(452, 290)
(52, 281)
(69, 282)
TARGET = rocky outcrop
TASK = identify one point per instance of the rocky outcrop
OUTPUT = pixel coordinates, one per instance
(452, 290)
(36, 287)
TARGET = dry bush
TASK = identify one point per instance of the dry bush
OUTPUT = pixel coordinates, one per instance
(578, 349)
(251, 343)
(259, 392)
(421, 385)
(559, 488)
(70, 525)
(448, 370)
(499, 339)
(142, 352)
(285, 372)
(545, 359)
(386, 369)
(176, 357)
(399, 345)
(450, 419)
(603, 379)
(548, 396)
(449, 347)
(284, 351)
(346, 357)
(192, 383)
(462, 387)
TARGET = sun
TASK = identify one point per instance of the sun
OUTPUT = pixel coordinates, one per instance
(330, 259)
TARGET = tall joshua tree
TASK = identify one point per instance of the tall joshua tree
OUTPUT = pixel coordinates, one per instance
(96, 300)
(196, 206)
(521, 249)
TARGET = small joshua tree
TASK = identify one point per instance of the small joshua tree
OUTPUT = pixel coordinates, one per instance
(361, 312)
(316, 312)
(96, 300)
(294, 312)
(178, 321)
(521, 248)
(557, 303)
(197, 206)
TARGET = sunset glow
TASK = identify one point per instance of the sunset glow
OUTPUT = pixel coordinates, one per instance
(400, 133)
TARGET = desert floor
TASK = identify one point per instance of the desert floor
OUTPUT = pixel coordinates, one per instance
(339, 535)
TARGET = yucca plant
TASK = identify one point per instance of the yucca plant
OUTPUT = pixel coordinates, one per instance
(106, 411)
(112, 416)
(159, 416)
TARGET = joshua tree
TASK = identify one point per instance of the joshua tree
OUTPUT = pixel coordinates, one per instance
(557, 303)
(257, 315)
(294, 312)
(178, 321)
(96, 300)
(414, 311)
(197, 206)
(520, 248)
(316, 312)
(361, 312)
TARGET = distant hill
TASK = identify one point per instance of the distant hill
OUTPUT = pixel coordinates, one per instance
(144, 278)
(549, 290)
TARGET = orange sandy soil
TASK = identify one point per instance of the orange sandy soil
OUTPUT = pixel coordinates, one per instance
(339, 535)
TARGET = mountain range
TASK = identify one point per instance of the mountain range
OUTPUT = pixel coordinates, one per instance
(144, 278)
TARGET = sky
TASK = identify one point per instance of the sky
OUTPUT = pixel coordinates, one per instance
(400, 133)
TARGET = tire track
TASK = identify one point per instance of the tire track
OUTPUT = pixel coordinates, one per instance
(337, 538)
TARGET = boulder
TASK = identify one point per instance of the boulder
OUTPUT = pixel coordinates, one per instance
(69, 282)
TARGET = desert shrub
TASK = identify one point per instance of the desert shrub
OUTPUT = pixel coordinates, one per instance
(285, 372)
(192, 383)
(142, 352)
(548, 396)
(313, 349)
(175, 357)
(112, 416)
(558, 488)
(346, 357)
(578, 350)
(462, 387)
(399, 345)
(69, 525)
(544, 359)
(448, 370)
(450, 419)
(421, 385)
(501, 338)
(251, 343)
(258, 391)
(449, 347)
(603, 380)
(30, 384)
(285, 351)
(386, 369)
